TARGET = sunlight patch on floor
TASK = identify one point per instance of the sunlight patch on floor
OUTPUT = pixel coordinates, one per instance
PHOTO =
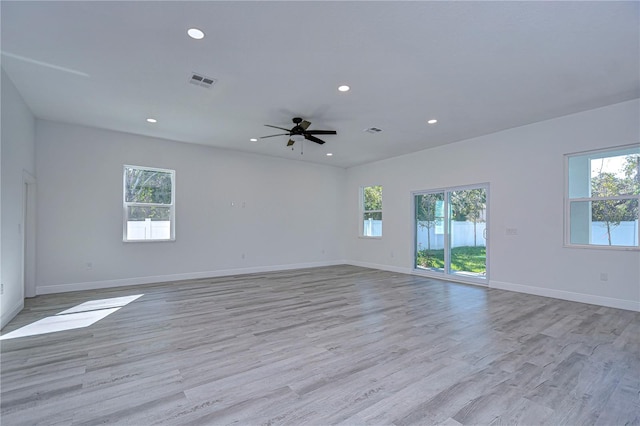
(79, 316)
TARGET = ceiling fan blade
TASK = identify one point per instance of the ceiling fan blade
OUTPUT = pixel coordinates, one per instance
(313, 139)
(291, 142)
(276, 127)
(321, 132)
(305, 124)
(271, 136)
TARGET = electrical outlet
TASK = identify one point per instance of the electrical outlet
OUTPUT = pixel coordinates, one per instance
(512, 231)
(604, 276)
(1, 288)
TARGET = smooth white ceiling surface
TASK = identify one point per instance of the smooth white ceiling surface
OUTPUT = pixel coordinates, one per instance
(478, 67)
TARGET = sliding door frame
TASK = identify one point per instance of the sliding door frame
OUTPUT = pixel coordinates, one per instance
(446, 274)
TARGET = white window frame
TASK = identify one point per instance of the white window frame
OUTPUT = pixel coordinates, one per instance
(362, 212)
(568, 199)
(126, 204)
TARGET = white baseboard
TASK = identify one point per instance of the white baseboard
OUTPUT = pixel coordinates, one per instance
(11, 313)
(95, 285)
(628, 305)
(591, 299)
(389, 268)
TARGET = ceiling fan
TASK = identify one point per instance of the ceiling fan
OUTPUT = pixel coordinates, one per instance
(299, 131)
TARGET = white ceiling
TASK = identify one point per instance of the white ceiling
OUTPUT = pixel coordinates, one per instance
(478, 67)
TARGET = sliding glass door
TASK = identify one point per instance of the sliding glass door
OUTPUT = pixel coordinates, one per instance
(451, 231)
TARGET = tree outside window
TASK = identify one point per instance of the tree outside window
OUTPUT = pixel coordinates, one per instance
(371, 211)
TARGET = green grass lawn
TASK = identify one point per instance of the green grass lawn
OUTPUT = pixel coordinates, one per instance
(468, 259)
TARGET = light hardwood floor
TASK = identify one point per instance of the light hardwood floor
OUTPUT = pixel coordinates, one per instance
(335, 345)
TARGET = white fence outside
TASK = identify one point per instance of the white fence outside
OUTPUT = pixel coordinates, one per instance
(462, 235)
(372, 228)
(625, 234)
(148, 229)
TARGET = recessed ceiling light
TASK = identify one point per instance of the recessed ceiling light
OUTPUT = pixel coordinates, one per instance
(253, 140)
(151, 120)
(195, 33)
(329, 154)
(344, 88)
(432, 121)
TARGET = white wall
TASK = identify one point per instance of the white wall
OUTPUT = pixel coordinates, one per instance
(274, 201)
(17, 156)
(525, 169)
(79, 174)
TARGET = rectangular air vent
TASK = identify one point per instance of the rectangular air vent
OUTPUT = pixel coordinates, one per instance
(201, 80)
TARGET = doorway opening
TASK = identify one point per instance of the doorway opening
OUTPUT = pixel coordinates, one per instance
(29, 234)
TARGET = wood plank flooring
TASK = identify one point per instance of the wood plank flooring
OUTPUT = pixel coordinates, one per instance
(335, 345)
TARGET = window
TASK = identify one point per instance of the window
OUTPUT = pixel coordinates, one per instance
(603, 193)
(149, 204)
(371, 211)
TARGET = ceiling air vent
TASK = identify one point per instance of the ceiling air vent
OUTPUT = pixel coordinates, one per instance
(373, 130)
(201, 80)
